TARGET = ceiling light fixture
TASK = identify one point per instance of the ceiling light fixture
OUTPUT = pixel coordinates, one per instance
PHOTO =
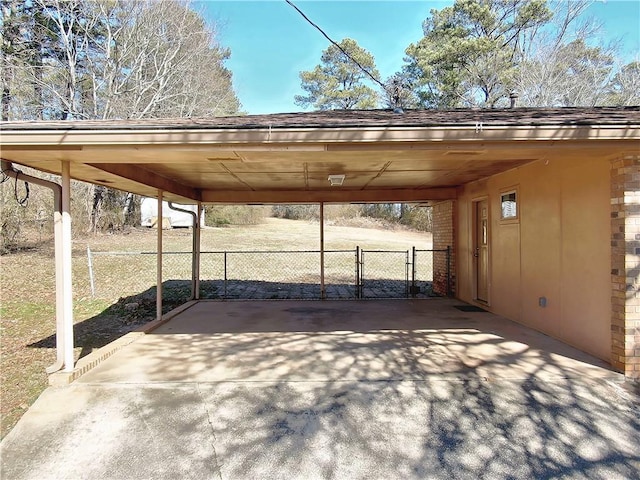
(336, 180)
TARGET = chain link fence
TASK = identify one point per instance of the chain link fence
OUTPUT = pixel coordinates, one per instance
(348, 274)
(272, 274)
(422, 272)
(341, 274)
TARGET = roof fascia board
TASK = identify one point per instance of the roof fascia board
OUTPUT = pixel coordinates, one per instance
(319, 135)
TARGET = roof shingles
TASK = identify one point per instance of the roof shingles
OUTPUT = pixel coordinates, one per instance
(359, 119)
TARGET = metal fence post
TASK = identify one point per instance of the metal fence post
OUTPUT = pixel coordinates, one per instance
(413, 272)
(90, 263)
(406, 275)
(225, 276)
(358, 292)
(361, 273)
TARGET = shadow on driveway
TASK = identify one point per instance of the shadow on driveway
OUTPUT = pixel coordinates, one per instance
(281, 390)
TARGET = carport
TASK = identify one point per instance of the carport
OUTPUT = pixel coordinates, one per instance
(379, 156)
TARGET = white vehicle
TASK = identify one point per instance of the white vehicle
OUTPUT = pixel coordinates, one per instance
(171, 218)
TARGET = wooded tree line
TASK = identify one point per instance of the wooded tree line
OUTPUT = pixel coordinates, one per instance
(107, 59)
(417, 217)
(103, 59)
(475, 53)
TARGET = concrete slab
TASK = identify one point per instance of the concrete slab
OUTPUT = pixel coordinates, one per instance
(338, 340)
(333, 390)
(112, 432)
(463, 429)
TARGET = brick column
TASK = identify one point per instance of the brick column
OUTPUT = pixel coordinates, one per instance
(443, 228)
(625, 266)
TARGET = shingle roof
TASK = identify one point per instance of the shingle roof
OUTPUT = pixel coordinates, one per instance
(361, 119)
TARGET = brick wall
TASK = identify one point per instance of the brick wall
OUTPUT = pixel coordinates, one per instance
(625, 265)
(443, 217)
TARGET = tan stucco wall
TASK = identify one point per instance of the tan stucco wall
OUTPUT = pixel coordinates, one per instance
(558, 249)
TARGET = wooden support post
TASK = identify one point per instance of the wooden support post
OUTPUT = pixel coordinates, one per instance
(196, 253)
(159, 259)
(60, 294)
(322, 287)
(67, 285)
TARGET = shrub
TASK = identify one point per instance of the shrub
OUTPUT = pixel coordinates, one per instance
(379, 215)
(296, 212)
(416, 217)
(224, 215)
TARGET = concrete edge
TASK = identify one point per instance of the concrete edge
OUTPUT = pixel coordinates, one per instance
(152, 325)
(96, 357)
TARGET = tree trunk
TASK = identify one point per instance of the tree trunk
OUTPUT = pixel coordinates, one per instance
(131, 209)
(98, 196)
(7, 73)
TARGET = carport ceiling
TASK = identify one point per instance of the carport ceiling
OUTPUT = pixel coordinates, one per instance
(417, 155)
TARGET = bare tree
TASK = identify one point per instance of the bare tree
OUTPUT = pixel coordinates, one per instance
(571, 75)
(624, 88)
(131, 59)
(12, 48)
(560, 68)
(76, 59)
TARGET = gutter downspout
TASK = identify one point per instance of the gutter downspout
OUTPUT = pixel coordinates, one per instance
(195, 253)
(9, 170)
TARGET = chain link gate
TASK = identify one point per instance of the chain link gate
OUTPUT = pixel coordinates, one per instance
(384, 273)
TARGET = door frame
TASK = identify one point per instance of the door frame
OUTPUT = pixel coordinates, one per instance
(474, 244)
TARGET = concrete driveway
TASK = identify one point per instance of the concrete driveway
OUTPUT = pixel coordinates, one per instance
(284, 390)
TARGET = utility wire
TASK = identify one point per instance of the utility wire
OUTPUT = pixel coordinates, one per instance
(338, 46)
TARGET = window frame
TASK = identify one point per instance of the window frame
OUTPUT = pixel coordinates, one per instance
(516, 193)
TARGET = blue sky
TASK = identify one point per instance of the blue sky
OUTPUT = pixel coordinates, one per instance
(271, 43)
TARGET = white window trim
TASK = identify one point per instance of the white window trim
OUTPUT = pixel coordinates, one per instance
(516, 217)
